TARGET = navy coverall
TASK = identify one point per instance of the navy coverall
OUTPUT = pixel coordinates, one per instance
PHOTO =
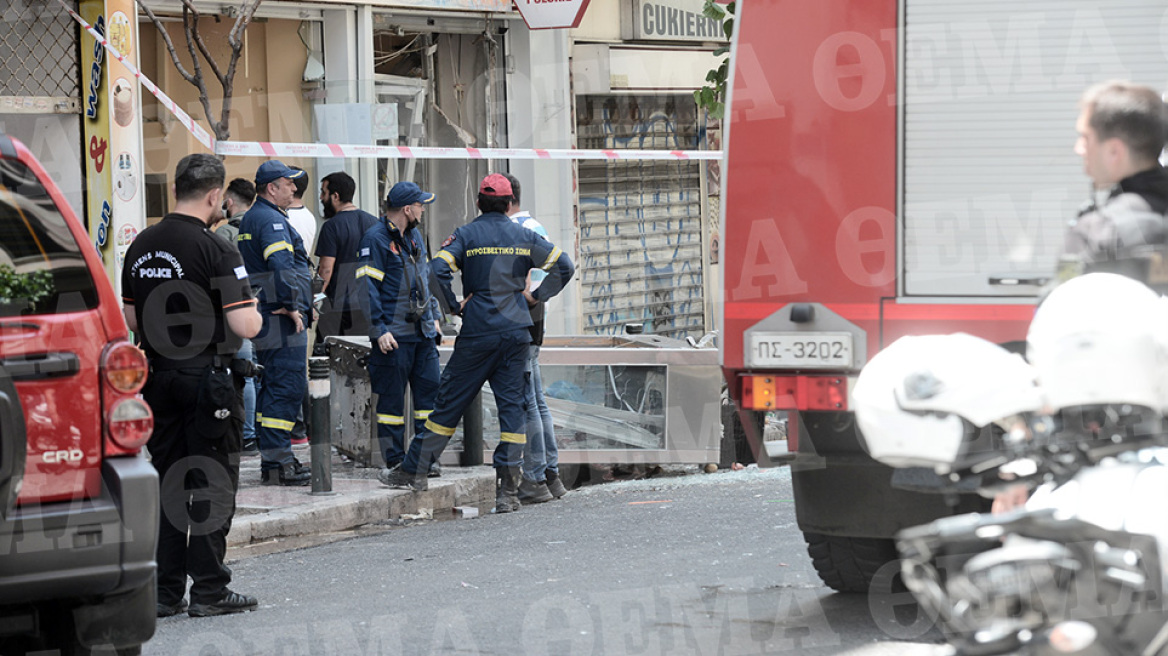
(395, 270)
(277, 264)
(494, 255)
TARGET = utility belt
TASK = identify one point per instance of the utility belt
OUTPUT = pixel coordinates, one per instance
(220, 382)
(238, 366)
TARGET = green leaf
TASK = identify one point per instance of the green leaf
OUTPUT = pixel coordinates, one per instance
(713, 10)
(27, 287)
(721, 51)
(698, 97)
(708, 97)
(718, 110)
(728, 27)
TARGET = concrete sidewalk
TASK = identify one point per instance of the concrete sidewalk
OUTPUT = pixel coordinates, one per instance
(266, 513)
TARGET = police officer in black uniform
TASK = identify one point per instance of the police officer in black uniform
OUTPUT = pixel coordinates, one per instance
(186, 295)
(494, 254)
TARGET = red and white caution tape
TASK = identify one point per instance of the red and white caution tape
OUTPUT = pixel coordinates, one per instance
(266, 149)
(345, 151)
(197, 130)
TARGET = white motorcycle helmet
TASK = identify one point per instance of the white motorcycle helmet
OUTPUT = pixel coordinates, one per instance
(911, 399)
(1101, 339)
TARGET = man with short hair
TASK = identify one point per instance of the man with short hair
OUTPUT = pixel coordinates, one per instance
(302, 218)
(1122, 130)
(541, 455)
(278, 265)
(186, 295)
(403, 317)
(238, 199)
(336, 251)
(494, 255)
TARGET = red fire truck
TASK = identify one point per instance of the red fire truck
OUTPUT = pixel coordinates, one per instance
(895, 167)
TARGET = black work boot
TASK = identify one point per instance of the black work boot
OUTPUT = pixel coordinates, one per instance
(397, 477)
(286, 475)
(167, 610)
(507, 489)
(534, 492)
(555, 485)
(232, 602)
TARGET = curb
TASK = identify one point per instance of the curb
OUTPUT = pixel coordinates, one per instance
(327, 514)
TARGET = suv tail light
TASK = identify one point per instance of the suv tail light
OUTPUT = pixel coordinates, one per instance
(124, 367)
(129, 423)
(767, 392)
(128, 420)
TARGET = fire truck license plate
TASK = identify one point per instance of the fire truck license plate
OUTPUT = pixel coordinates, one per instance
(817, 350)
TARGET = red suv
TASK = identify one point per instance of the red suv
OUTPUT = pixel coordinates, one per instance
(78, 500)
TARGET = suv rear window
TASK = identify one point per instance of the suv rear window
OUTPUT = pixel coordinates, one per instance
(42, 270)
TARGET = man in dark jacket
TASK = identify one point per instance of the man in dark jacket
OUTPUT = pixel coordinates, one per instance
(277, 264)
(1122, 130)
(403, 319)
(494, 255)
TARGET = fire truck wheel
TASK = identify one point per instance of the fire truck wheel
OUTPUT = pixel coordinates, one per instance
(847, 564)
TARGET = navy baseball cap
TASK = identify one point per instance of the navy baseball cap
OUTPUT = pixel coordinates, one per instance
(407, 193)
(273, 170)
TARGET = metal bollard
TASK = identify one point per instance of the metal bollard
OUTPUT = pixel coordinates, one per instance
(319, 431)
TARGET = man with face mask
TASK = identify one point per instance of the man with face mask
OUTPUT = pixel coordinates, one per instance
(403, 317)
(277, 265)
(336, 249)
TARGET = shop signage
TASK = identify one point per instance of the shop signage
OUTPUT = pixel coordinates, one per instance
(668, 20)
(115, 210)
(551, 14)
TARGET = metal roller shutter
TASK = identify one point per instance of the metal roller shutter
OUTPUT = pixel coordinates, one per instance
(991, 95)
(640, 221)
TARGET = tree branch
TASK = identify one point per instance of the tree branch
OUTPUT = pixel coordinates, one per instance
(169, 44)
(198, 36)
(233, 39)
(190, 26)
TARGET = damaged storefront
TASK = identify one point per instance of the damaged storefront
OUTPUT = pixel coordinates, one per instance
(450, 67)
(645, 226)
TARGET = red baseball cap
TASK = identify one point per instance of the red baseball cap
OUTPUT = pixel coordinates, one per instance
(496, 185)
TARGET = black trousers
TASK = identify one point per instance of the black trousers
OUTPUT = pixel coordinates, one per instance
(198, 478)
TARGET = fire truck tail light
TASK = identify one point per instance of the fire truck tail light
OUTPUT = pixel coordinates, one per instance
(765, 392)
(758, 392)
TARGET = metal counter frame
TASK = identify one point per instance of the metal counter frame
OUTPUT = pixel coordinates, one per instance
(685, 425)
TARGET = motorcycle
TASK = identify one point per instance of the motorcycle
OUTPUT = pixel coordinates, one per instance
(1081, 568)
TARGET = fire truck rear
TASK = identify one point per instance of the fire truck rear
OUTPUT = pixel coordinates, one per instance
(895, 168)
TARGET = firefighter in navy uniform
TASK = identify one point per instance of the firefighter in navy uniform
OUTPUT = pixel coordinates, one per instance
(403, 318)
(494, 255)
(277, 262)
(186, 295)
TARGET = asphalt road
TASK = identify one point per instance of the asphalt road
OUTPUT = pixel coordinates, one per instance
(701, 564)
